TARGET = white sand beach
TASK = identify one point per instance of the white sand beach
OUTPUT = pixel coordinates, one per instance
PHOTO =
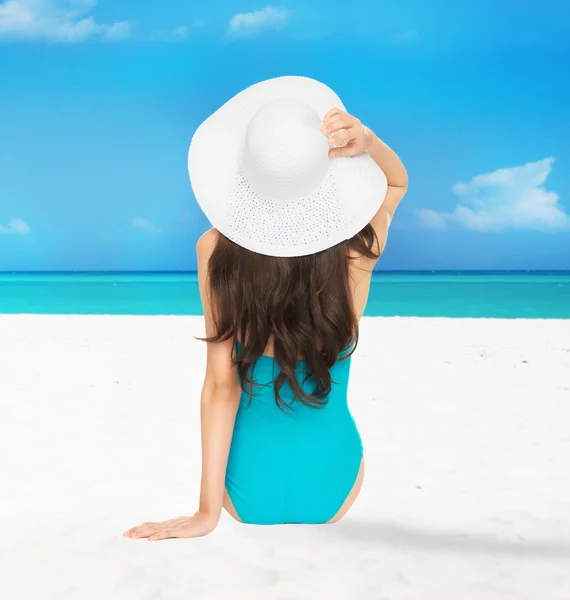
(466, 496)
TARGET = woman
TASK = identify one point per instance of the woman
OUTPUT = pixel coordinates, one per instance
(301, 196)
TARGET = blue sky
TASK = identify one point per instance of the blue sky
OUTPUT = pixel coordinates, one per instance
(99, 101)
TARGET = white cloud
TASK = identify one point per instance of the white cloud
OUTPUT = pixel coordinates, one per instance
(512, 198)
(177, 34)
(117, 31)
(15, 226)
(145, 225)
(56, 20)
(181, 31)
(430, 218)
(253, 22)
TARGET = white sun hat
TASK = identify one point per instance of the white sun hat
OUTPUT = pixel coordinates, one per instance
(260, 170)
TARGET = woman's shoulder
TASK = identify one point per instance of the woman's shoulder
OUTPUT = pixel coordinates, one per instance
(207, 241)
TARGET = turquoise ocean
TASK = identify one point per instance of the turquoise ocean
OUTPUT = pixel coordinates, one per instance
(540, 295)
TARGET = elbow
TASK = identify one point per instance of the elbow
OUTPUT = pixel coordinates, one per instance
(403, 182)
(220, 390)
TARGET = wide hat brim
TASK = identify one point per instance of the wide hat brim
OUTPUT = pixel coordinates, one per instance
(350, 195)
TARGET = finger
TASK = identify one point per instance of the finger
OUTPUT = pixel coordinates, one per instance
(143, 531)
(332, 112)
(145, 524)
(333, 124)
(340, 137)
(162, 535)
(340, 122)
(347, 150)
(132, 530)
(136, 535)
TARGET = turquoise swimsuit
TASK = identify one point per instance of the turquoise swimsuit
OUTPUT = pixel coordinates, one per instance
(292, 467)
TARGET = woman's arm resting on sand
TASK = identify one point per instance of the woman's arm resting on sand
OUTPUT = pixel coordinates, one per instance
(218, 408)
(220, 397)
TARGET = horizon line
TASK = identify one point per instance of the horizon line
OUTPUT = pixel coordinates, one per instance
(194, 272)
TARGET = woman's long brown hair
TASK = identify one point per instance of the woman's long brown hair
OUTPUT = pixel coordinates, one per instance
(303, 304)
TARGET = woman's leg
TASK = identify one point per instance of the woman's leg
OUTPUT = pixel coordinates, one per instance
(352, 496)
(229, 507)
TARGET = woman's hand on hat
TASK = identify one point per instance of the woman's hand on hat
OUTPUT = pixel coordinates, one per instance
(347, 135)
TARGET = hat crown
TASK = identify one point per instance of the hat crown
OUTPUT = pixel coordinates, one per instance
(284, 155)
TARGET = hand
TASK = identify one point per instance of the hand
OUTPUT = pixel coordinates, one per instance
(347, 132)
(182, 527)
